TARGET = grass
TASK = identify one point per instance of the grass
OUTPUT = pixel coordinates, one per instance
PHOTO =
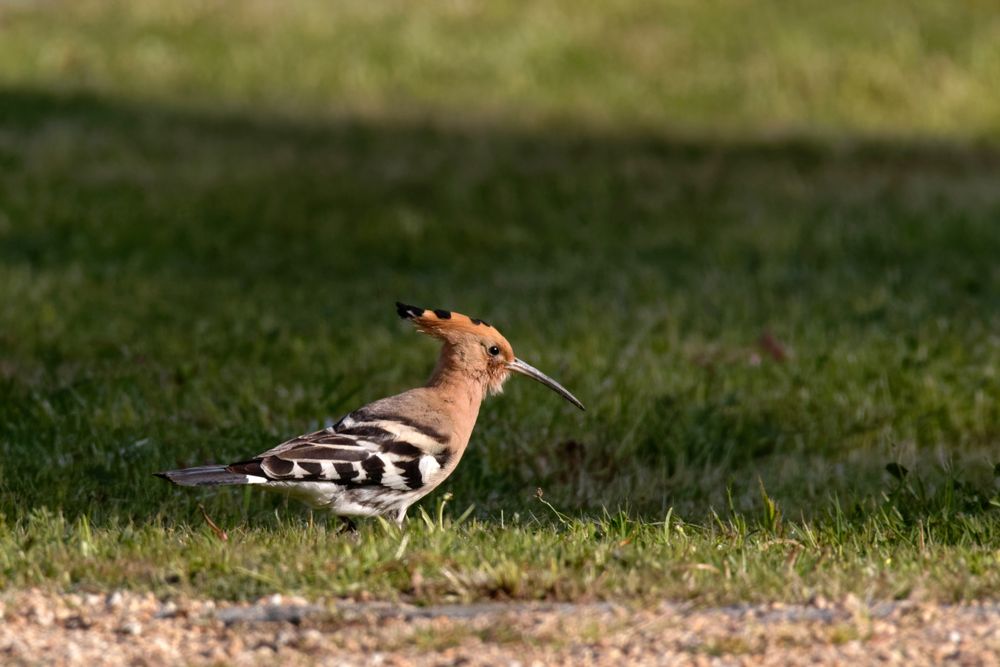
(758, 242)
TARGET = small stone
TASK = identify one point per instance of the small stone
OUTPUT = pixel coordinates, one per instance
(236, 646)
(311, 640)
(132, 628)
(76, 622)
(43, 615)
(167, 610)
(73, 652)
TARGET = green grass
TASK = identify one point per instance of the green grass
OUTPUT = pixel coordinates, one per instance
(758, 240)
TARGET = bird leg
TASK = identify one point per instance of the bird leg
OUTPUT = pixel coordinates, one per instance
(347, 526)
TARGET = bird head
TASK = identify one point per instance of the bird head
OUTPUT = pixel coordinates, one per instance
(475, 348)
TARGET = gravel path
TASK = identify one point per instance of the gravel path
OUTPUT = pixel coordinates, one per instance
(135, 629)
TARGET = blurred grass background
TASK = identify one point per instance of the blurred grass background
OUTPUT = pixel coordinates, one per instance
(895, 69)
(759, 240)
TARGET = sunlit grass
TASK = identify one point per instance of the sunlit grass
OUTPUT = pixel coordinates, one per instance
(873, 552)
(926, 67)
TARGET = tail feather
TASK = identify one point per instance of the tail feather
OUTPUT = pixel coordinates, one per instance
(208, 476)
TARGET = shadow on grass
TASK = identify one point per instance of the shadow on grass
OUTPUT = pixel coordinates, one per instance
(151, 250)
(232, 194)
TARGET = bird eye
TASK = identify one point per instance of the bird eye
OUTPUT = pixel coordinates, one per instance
(494, 350)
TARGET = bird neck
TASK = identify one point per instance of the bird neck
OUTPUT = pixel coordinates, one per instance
(460, 385)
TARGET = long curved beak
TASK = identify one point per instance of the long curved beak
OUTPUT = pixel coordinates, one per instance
(519, 366)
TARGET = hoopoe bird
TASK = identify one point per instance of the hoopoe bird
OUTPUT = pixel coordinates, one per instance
(387, 455)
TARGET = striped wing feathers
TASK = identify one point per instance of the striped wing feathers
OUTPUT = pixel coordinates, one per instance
(361, 450)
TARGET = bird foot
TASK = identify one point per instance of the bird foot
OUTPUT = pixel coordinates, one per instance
(347, 527)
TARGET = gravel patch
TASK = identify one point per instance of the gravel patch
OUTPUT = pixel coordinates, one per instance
(125, 628)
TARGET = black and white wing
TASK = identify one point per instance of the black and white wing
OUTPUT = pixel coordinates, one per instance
(364, 449)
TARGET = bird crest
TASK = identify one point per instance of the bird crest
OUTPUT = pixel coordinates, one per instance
(453, 327)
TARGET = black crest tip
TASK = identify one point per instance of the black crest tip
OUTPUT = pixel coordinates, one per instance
(408, 312)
